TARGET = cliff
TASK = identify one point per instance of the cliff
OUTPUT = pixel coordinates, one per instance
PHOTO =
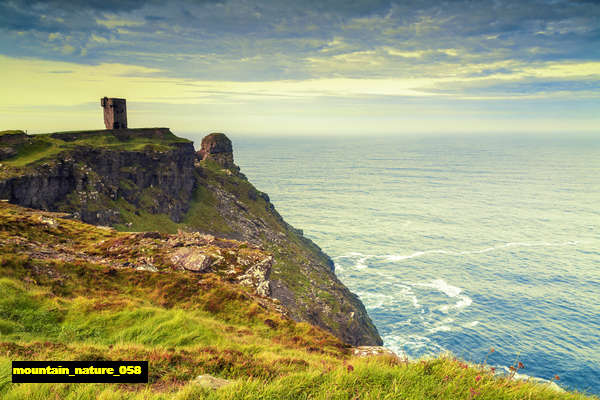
(151, 180)
(193, 306)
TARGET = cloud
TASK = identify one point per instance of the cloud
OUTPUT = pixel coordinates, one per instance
(113, 21)
(29, 81)
(98, 39)
(241, 51)
(54, 35)
(67, 49)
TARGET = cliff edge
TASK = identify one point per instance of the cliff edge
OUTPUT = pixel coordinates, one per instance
(142, 180)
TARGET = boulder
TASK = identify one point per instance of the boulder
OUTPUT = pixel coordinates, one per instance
(192, 259)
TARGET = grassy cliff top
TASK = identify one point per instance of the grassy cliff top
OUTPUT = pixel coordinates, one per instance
(18, 149)
(72, 291)
(12, 132)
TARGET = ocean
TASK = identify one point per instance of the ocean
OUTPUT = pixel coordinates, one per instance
(458, 243)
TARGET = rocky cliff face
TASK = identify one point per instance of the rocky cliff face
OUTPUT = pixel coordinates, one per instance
(149, 179)
(87, 181)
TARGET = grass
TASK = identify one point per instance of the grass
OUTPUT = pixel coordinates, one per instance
(43, 146)
(203, 213)
(79, 304)
(142, 221)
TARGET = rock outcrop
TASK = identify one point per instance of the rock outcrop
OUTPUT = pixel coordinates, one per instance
(217, 147)
(9, 140)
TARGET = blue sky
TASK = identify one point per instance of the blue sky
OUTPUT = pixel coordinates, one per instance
(310, 67)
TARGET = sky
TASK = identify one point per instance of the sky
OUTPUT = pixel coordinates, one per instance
(311, 67)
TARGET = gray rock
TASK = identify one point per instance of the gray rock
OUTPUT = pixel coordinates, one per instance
(149, 268)
(257, 276)
(192, 258)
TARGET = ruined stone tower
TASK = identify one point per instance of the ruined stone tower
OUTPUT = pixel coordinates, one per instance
(115, 113)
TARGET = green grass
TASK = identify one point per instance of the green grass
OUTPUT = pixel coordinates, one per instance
(143, 221)
(43, 146)
(203, 214)
(31, 151)
(440, 378)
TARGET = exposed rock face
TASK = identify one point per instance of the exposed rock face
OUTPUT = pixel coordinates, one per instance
(302, 276)
(87, 181)
(217, 147)
(179, 189)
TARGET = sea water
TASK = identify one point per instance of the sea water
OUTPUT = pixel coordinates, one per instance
(455, 243)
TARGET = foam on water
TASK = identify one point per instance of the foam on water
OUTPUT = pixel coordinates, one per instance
(441, 328)
(442, 286)
(362, 258)
(464, 301)
(471, 324)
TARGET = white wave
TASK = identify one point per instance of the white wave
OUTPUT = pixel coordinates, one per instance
(361, 263)
(400, 257)
(415, 302)
(441, 328)
(375, 300)
(442, 286)
(393, 257)
(465, 301)
(352, 255)
(411, 344)
(363, 258)
(407, 292)
(471, 324)
(450, 291)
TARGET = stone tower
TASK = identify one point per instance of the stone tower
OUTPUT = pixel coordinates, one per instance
(115, 113)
